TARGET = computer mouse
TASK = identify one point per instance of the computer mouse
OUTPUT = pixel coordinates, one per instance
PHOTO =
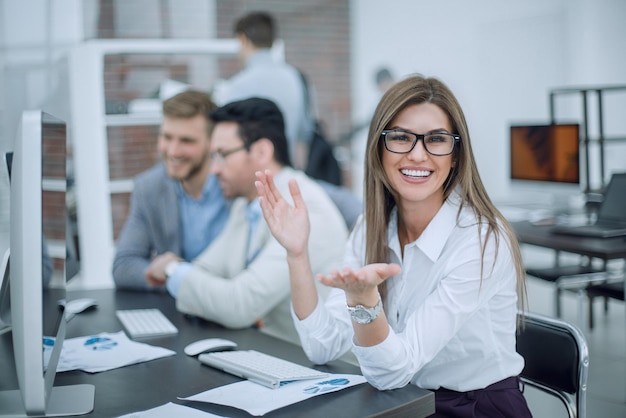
(79, 305)
(209, 345)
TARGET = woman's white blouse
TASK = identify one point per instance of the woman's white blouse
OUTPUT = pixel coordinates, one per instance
(448, 326)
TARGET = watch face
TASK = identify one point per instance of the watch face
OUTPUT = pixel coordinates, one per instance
(361, 314)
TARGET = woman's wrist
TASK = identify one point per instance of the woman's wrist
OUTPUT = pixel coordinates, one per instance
(298, 256)
(368, 300)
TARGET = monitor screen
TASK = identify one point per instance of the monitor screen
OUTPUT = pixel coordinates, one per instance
(545, 153)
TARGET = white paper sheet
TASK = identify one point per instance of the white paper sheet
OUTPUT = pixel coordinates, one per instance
(170, 410)
(104, 351)
(259, 400)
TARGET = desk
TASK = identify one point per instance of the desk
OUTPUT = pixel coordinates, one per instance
(602, 248)
(150, 384)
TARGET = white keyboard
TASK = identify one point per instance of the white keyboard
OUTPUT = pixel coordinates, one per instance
(259, 367)
(146, 323)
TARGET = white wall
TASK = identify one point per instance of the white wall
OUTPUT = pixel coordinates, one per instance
(35, 37)
(500, 58)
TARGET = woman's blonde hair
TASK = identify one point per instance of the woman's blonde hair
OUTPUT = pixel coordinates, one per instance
(380, 198)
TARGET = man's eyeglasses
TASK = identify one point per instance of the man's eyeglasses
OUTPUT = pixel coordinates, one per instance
(220, 156)
(402, 142)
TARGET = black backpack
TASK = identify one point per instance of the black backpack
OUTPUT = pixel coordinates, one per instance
(321, 162)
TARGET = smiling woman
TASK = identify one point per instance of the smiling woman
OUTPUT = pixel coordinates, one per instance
(408, 163)
(430, 249)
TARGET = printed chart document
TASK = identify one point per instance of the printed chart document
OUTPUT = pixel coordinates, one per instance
(104, 351)
(170, 410)
(259, 400)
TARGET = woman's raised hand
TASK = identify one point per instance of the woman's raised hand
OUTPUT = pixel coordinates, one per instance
(288, 224)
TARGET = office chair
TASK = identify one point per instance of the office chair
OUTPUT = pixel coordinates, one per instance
(556, 360)
(613, 290)
(347, 202)
(574, 278)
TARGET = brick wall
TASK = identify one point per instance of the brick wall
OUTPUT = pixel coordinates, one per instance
(316, 34)
(132, 149)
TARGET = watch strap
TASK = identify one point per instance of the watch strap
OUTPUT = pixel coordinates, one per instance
(171, 267)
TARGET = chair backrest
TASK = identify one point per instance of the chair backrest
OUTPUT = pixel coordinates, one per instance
(556, 360)
(348, 204)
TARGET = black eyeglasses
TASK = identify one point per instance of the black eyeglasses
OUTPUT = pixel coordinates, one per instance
(220, 156)
(402, 142)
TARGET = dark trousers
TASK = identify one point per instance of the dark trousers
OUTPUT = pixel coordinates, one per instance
(501, 399)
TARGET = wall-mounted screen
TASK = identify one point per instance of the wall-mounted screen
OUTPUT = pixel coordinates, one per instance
(546, 153)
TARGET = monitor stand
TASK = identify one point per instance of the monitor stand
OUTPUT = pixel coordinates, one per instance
(64, 401)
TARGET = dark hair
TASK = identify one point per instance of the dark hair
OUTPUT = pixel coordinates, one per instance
(257, 118)
(383, 75)
(259, 27)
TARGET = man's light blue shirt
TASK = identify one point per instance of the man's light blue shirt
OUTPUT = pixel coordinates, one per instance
(201, 221)
(253, 215)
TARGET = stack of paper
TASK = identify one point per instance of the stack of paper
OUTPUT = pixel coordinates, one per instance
(104, 351)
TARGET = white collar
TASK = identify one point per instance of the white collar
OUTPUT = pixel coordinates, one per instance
(434, 237)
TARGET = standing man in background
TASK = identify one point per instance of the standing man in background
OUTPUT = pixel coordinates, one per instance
(266, 77)
(177, 208)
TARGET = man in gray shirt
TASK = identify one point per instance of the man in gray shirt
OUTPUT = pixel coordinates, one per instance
(177, 207)
(270, 78)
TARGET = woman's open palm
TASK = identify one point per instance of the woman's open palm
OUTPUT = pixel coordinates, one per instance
(360, 281)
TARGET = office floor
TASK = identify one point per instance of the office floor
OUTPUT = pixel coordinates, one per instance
(606, 393)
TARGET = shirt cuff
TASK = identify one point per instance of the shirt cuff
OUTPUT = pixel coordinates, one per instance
(382, 355)
(175, 279)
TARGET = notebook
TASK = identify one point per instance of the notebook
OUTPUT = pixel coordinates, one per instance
(259, 367)
(611, 221)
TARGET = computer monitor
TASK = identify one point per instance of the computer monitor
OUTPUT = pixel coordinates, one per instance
(38, 207)
(547, 153)
(546, 158)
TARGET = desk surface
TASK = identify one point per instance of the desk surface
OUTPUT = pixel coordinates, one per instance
(603, 248)
(150, 384)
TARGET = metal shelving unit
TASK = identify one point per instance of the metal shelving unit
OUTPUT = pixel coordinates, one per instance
(587, 139)
(89, 131)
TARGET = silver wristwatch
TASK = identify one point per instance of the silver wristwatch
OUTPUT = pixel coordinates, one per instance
(362, 315)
